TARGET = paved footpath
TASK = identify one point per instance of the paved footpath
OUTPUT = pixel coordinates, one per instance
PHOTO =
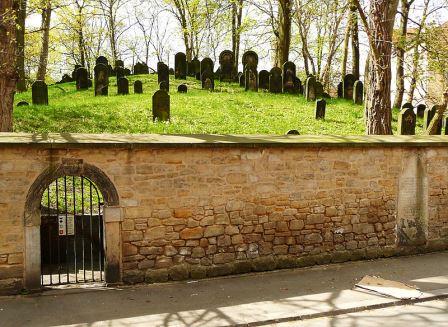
(318, 296)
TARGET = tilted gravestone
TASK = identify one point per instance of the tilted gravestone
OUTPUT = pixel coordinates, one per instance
(39, 93)
(251, 75)
(161, 106)
(101, 78)
(358, 92)
(163, 75)
(348, 84)
(406, 120)
(421, 110)
(138, 87)
(250, 58)
(141, 68)
(289, 77)
(123, 86)
(275, 80)
(180, 66)
(102, 60)
(321, 106)
(340, 90)
(310, 89)
(226, 64)
(82, 79)
(428, 116)
(208, 80)
(207, 65)
(242, 80)
(293, 132)
(182, 88)
(263, 80)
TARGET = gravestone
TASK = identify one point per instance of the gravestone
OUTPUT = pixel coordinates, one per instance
(82, 79)
(182, 88)
(163, 75)
(180, 66)
(208, 80)
(319, 90)
(89, 82)
(250, 58)
(406, 120)
(310, 89)
(161, 106)
(141, 68)
(138, 87)
(217, 74)
(420, 110)
(289, 78)
(226, 63)
(340, 90)
(102, 60)
(293, 132)
(275, 80)
(298, 85)
(321, 106)
(242, 80)
(348, 84)
(123, 86)
(163, 86)
(358, 92)
(74, 76)
(194, 68)
(428, 116)
(263, 80)
(66, 79)
(206, 66)
(171, 71)
(101, 78)
(23, 104)
(251, 75)
(119, 63)
(120, 72)
(39, 93)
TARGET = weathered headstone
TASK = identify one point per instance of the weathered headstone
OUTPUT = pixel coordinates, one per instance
(358, 92)
(275, 80)
(217, 74)
(123, 86)
(161, 106)
(182, 88)
(207, 65)
(101, 77)
(39, 93)
(310, 89)
(141, 68)
(321, 106)
(250, 58)
(348, 84)
(120, 72)
(226, 63)
(319, 90)
(263, 80)
(251, 75)
(406, 120)
(119, 63)
(242, 80)
(163, 86)
(102, 60)
(74, 76)
(194, 68)
(82, 79)
(171, 71)
(138, 87)
(340, 90)
(420, 110)
(66, 79)
(208, 80)
(289, 76)
(428, 116)
(298, 85)
(293, 132)
(23, 104)
(180, 66)
(163, 75)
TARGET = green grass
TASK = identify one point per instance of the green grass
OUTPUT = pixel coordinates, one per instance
(228, 110)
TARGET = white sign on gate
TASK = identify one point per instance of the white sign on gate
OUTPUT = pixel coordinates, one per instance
(66, 225)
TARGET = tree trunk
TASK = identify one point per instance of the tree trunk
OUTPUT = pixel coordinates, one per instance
(21, 15)
(401, 53)
(8, 58)
(237, 16)
(43, 59)
(345, 47)
(284, 32)
(379, 30)
(112, 36)
(355, 44)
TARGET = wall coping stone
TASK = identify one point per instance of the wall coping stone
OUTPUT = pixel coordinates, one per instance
(131, 141)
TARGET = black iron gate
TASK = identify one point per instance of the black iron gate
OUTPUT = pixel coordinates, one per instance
(72, 233)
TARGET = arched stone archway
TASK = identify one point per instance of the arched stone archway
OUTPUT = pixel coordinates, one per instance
(32, 218)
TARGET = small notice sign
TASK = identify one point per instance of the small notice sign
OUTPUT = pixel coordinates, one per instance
(66, 225)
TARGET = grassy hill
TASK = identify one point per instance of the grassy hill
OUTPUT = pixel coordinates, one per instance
(228, 110)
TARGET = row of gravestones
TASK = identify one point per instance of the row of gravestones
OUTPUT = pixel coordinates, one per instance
(351, 89)
(407, 119)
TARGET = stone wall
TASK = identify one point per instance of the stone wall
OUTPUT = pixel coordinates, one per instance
(193, 208)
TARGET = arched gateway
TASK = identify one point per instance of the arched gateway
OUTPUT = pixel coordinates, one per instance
(72, 227)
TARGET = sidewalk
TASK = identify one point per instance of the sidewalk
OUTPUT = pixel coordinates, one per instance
(256, 299)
